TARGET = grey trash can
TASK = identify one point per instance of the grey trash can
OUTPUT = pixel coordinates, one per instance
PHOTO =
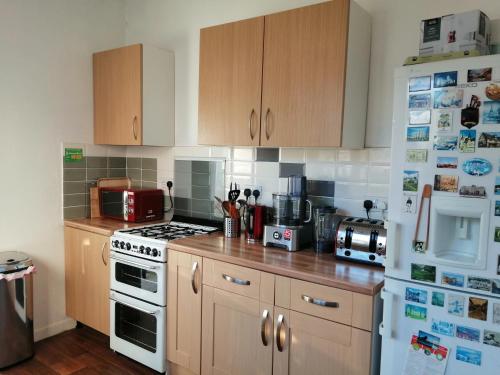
(16, 309)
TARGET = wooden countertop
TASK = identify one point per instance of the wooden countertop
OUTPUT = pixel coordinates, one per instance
(104, 226)
(304, 265)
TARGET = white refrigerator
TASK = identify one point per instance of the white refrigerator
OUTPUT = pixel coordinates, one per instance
(442, 287)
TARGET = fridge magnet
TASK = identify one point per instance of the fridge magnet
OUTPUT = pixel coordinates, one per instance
(437, 299)
(479, 283)
(489, 140)
(492, 91)
(497, 185)
(496, 313)
(423, 272)
(453, 279)
(497, 208)
(425, 355)
(446, 183)
(496, 238)
(420, 246)
(416, 295)
(467, 141)
(498, 265)
(491, 338)
(419, 134)
(456, 304)
(444, 120)
(447, 162)
(409, 205)
(445, 79)
(472, 191)
(416, 156)
(419, 101)
(468, 333)
(419, 84)
(443, 328)
(469, 116)
(448, 98)
(477, 167)
(478, 308)
(419, 117)
(491, 112)
(468, 355)
(410, 181)
(495, 286)
(479, 75)
(415, 312)
(445, 142)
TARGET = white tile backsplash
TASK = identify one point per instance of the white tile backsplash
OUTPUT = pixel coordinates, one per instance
(358, 174)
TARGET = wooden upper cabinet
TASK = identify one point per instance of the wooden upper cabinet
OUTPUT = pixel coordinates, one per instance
(304, 65)
(314, 83)
(230, 83)
(134, 96)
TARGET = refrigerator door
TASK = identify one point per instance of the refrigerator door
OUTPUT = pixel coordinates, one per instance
(468, 222)
(397, 329)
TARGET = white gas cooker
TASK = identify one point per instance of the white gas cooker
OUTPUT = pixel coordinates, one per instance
(150, 241)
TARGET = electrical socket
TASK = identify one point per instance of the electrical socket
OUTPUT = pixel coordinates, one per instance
(379, 204)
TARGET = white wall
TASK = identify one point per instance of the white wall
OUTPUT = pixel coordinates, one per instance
(175, 25)
(45, 99)
(395, 36)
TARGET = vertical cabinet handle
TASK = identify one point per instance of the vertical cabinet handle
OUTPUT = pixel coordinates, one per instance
(193, 277)
(250, 124)
(280, 333)
(264, 327)
(134, 131)
(267, 123)
(102, 253)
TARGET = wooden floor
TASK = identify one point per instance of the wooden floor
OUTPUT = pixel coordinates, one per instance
(79, 351)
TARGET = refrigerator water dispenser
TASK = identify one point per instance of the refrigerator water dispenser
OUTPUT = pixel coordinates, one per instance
(459, 231)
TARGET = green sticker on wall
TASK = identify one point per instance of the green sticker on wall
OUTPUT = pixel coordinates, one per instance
(73, 154)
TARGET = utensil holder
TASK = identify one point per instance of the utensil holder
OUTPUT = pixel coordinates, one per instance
(232, 227)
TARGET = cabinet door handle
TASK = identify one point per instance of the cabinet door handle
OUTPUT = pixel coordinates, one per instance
(102, 253)
(134, 131)
(280, 333)
(266, 123)
(193, 276)
(250, 124)
(235, 280)
(139, 265)
(319, 302)
(263, 327)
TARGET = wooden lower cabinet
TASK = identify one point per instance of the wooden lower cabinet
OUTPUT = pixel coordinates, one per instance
(236, 334)
(309, 345)
(87, 278)
(184, 310)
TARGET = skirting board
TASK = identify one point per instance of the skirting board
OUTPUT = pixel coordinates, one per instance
(54, 329)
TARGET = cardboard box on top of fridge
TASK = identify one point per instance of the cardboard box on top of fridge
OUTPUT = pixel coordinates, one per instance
(455, 32)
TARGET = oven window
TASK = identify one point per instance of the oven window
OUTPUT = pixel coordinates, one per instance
(112, 203)
(136, 327)
(136, 277)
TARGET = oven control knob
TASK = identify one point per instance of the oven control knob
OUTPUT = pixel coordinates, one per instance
(347, 253)
(148, 250)
(122, 245)
(277, 235)
(154, 252)
(371, 257)
(116, 243)
(129, 246)
(141, 249)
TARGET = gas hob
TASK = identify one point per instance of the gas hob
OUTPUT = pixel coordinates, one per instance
(150, 241)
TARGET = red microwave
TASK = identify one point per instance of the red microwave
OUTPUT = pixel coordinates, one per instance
(133, 205)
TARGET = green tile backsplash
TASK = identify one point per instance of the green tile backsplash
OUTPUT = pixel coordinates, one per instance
(79, 176)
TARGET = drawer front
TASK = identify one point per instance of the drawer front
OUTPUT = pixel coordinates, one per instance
(321, 301)
(240, 280)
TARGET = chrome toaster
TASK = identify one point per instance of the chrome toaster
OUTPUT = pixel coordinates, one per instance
(361, 240)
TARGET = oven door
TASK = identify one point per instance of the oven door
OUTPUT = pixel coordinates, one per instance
(140, 278)
(138, 330)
